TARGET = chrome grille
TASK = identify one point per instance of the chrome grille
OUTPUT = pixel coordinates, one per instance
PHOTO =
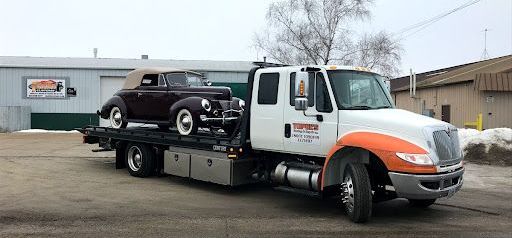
(447, 146)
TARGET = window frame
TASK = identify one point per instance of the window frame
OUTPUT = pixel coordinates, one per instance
(275, 95)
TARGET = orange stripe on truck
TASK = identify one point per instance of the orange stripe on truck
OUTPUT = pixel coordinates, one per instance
(385, 147)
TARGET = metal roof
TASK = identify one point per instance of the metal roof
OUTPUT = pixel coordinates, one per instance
(468, 72)
(129, 64)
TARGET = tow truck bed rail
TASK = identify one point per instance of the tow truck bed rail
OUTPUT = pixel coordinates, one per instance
(155, 136)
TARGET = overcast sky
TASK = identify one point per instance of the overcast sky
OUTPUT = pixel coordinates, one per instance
(224, 29)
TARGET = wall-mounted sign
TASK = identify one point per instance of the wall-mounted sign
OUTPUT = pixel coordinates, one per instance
(46, 88)
(71, 92)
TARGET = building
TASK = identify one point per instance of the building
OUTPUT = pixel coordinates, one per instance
(458, 94)
(85, 83)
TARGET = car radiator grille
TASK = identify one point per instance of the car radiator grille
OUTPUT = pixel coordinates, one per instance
(447, 146)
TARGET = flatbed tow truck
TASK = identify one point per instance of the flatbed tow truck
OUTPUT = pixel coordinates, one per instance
(321, 130)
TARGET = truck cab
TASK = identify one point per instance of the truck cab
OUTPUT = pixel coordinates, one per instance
(334, 116)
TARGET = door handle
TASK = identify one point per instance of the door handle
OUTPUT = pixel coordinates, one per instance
(287, 130)
(139, 94)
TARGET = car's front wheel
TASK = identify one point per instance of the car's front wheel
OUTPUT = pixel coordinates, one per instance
(116, 118)
(185, 122)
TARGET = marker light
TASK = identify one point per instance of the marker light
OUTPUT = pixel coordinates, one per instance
(419, 159)
(301, 88)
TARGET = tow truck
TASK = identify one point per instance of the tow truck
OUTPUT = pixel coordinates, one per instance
(319, 130)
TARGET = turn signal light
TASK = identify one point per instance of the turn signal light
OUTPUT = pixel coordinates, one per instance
(301, 88)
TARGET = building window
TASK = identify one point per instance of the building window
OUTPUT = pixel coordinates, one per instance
(268, 88)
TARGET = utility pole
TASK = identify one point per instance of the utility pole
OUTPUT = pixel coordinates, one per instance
(485, 54)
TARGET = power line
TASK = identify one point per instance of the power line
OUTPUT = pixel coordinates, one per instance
(415, 28)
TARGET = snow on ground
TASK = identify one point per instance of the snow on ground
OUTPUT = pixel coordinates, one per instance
(44, 131)
(501, 137)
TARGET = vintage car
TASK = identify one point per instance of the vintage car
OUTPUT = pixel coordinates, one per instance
(173, 97)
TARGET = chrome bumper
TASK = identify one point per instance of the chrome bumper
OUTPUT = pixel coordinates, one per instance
(417, 186)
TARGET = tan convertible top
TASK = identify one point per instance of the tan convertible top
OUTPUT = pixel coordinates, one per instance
(134, 78)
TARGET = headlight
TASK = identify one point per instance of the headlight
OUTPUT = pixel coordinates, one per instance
(241, 103)
(419, 159)
(206, 105)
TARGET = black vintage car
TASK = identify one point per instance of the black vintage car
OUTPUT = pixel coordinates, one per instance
(173, 97)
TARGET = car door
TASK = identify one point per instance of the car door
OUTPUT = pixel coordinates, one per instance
(153, 97)
(304, 133)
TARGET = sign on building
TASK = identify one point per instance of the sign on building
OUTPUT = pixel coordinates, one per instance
(45, 87)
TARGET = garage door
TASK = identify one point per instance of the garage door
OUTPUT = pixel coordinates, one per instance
(109, 86)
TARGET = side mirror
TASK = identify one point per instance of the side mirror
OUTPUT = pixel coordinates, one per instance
(301, 91)
(207, 83)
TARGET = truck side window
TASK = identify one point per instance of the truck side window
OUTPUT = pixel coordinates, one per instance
(149, 80)
(268, 87)
(323, 102)
(311, 93)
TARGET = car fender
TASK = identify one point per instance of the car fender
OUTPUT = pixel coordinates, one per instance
(193, 104)
(235, 103)
(356, 146)
(114, 101)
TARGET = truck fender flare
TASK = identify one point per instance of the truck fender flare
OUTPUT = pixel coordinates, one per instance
(191, 103)
(355, 147)
(114, 101)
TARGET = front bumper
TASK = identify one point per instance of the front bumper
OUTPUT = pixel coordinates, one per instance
(418, 186)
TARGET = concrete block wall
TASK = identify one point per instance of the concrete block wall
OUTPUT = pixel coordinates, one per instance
(14, 118)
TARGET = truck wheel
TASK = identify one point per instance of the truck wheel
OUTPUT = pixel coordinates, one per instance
(116, 118)
(421, 202)
(140, 160)
(357, 193)
(185, 122)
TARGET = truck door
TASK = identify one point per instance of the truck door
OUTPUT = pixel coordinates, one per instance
(267, 110)
(306, 134)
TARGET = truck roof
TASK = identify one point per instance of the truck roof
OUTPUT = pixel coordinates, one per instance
(328, 67)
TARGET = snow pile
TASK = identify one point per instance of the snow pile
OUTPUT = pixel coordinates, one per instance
(45, 131)
(500, 137)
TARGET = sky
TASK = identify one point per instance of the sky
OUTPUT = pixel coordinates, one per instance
(225, 29)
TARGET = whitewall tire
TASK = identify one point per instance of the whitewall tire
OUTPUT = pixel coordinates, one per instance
(185, 122)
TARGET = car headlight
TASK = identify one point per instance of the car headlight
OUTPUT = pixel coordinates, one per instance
(419, 159)
(241, 103)
(206, 105)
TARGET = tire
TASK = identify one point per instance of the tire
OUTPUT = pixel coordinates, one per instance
(185, 123)
(116, 118)
(140, 160)
(421, 202)
(359, 193)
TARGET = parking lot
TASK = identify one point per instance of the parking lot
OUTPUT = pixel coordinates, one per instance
(53, 185)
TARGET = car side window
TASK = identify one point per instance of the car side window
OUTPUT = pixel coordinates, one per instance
(311, 93)
(323, 101)
(161, 81)
(194, 80)
(268, 88)
(149, 80)
(177, 79)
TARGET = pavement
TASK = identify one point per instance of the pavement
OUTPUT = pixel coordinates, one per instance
(53, 185)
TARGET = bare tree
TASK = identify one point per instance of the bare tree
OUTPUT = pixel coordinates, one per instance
(317, 32)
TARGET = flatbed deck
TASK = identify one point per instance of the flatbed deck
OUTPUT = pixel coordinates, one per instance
(152, 135)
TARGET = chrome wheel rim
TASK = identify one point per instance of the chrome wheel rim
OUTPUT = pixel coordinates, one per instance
(349, 201)
(184, 122)
(134, 158)
(116, 118)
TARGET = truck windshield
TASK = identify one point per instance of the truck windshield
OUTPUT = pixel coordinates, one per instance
(355, 90)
